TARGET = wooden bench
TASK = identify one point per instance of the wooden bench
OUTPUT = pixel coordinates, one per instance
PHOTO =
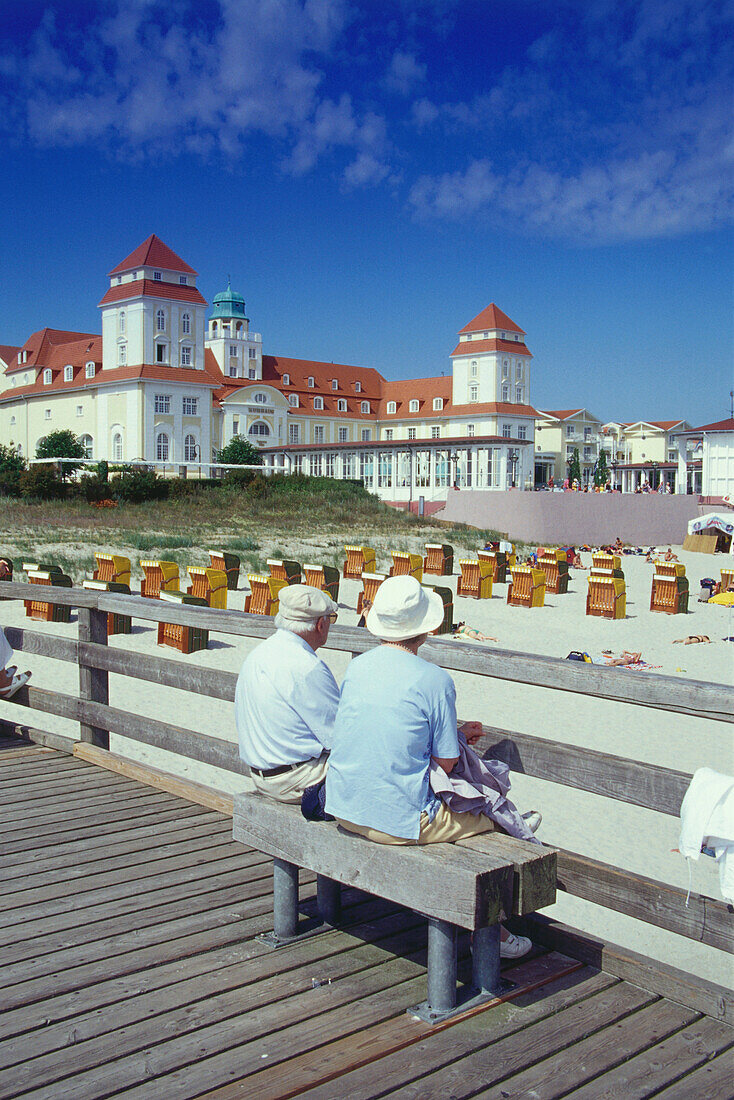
(323, 577)
(359, 559)
(285, 569)
(405, 564)
(186, 639)
(472, 885)
(607, 596)
(370, 583)
(447, 596)
(475, 580)
(554, 565)
(209, 585)
(229, 564)
(263, 598)
(112, 567)
(158, 576)
(498, 560)
(116, 623)
(39, 609)
(439, 559)
(527, 587)
(669, 592)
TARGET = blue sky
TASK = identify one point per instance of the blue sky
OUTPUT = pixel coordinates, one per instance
(372, 174)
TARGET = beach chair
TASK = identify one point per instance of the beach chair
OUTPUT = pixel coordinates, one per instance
(370, 583)
(263, 598)
(606, 565)
(669, 592)
(498, 558)
(439, 559)
(325, 577)
(229, 564)
(43, 567)
(448, 608)
(6, 573)
(406, 565)
(285, 570)
(186, 639)
(158, 576)
(112, 567)
(607, 596)
(39, 609)
(116, 623)
(359, 559)
(209, 585)
(475, 580)
(554, 564)
(527, 587)
(727, 580)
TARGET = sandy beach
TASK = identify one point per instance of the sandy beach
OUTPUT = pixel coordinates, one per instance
(625, 836)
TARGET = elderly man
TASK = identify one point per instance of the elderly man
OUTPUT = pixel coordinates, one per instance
(286, 698)
(397, 713)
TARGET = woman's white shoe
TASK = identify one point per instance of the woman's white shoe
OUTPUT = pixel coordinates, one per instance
(514, 947)
(533, 819)
(19, 680)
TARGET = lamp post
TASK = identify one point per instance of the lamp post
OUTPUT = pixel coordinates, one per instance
(455, 459)
(513, 454)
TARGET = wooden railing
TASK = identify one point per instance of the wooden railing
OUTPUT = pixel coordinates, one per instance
(704, 919)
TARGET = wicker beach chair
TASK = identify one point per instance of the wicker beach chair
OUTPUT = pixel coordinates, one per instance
(229, 564)
(158, 576)
(669, 592)
(607, 597)
(727, 580)
(448, 608)
(116, 623)
(359, 559)
(112, 567)
(475, 580)
(324, 577)
(498, 560)
(405, 564)
(209, 585)
(285, 570)
(527, 587)
(39, 609)
(439, 559)
(554, 565)
(263, 598)
(606, 565)
(186, 639)
(370, 583)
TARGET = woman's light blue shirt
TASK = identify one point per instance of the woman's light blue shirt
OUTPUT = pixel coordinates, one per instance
(395, 712)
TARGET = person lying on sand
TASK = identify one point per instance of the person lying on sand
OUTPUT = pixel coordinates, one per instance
(469, 633)
(608, 659)
(692, 639)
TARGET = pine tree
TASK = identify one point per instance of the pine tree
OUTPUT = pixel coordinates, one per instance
(601, 473)
(574, 467)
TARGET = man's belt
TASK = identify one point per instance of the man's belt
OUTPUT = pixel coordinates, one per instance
(267, 773)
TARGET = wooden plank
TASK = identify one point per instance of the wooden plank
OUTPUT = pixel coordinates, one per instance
(28, 802)
(663, 1064)
(161, 670)
(475, 889)
(37, 738)
(42, 645)
(534, 869)
(153, 777)
(25, 771)
(93, 682)
(706, 919)
(667, 981)
(709, 1082)
(617, 777)
(123, 800)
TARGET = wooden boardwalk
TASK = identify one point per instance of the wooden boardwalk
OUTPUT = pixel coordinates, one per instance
(130, 967)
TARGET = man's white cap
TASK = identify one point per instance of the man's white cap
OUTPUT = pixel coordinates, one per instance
(302, 604)
(402, 609)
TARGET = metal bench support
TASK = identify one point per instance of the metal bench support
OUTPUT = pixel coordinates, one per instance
(328, 899)
(441, 1001)
(285, 899)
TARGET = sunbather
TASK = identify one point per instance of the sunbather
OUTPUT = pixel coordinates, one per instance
(470, 633)
(608, 659)
(692, 639)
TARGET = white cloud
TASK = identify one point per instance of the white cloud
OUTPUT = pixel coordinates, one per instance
(365, 171)
(404, 73)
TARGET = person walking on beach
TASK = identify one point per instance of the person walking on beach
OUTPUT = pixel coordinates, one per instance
(286, 698)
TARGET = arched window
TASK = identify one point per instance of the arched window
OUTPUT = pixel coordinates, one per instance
(12, 421)
(214, 328)
(286, 379)
(68, 373)
(89, 370)
(161, 447)
(261, 398)
(259, 428)
(88, 445)
(122, 355)
(238, 327)
(391, 407)
(474, 368)
(160, 320)
(437, 404)
(122, 322)
(365, 406)
(318, 402)
(414, 405)
(190, 449)
(19, 449)
(341, 405)
(293, 400)
(117, 447)
(47, 377)
(186, 323)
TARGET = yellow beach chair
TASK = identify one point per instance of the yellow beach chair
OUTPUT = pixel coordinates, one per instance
(159, 576)
(669, 592)
(113, 568)
(527, 587)
(285, 570)
(359, 559)
(439, 559)
(476, 579)
(323, 577)
(263, 598)
(229, 564)
(406, 565)
(209, 585)
(607, 597)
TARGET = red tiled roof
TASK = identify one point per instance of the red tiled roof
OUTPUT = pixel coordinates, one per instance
(75, 353)
(153, 253)
(9, 354)
(152, 289)
(560, 414)
(490, 318)
(476, 347)
(717, 426)
(666, 425)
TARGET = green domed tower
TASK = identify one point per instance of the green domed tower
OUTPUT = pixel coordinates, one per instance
(237, 350)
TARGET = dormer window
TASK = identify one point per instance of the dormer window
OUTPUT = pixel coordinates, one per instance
(293, 400)
(391, 407)
(437, 404)
(503, 336)
(68, 373)
(365, 406)
(119, 279)
(335, 383)
(89, 370)
(121, 320)
(310, 381)
(182, 280)
(157, 276)
(414, 405)
(318, 402)
(357, 387)
(341, 405)
(47, 377)
(486, 335)
(286, 379)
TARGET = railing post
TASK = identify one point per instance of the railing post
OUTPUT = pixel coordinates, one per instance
(93, 682)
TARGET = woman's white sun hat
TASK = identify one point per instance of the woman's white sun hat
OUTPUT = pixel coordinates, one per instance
(402, 609)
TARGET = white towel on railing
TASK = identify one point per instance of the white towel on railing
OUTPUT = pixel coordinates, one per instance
(707, 817)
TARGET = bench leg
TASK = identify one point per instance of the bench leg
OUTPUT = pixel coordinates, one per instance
(486, 960)
(441, 1001)
(285, 899)
(328, 899)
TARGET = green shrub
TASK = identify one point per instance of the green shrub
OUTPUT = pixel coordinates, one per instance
(103, 470)
(182, 489)
(10, 461)
(238, 545)
(61, 444)
(95, 489)
(160, 542)
(136, 485)
(238, 479)
(239, 451)
(42, 483)
(10, 483)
